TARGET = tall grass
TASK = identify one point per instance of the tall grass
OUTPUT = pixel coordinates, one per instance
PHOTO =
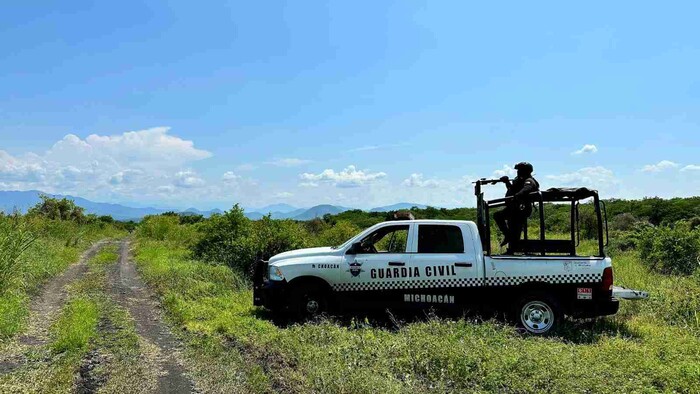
(15, 239)
(649, 346)
(32, 251)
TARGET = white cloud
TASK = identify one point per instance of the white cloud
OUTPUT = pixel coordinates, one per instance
(230, 176)
(188, 179)
(588, 148)
(348, 177)
(148, 146)
(505, 171)
(368, 148)
(660, 166)
(691, 167)
(308, 184)
(14, 169)
(288, 162)
(125, 177)
(365, 148)
(417, 180)
(245, 167)
(284, 195)
(133, 164)
(592, 177)
(166, 189)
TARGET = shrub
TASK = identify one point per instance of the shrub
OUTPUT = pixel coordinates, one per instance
(670, 250)
(336, 235)
(694, 223)
(623, 241)
(226, 239)
(588, 221)
(55, 209)
(623, 222)
(236, 241)
(158, 227)
(628, 240)
(271, 237)
(166, 228)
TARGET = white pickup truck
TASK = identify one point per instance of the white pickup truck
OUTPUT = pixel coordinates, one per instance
(419, 263)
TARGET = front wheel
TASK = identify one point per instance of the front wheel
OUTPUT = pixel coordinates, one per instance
(308, 303)
(539, 314)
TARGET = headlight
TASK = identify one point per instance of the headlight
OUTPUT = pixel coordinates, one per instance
(275, 273)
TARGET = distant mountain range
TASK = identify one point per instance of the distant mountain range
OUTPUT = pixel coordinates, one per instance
(23, 200)
(398, 207)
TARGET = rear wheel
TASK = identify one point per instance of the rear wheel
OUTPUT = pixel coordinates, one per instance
(539, 314)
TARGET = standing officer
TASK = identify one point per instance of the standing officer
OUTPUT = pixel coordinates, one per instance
(514, 216)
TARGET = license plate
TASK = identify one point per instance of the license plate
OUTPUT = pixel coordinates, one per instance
(584, 293)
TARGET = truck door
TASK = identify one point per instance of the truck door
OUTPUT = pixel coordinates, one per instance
(378, 268)
(446, 260)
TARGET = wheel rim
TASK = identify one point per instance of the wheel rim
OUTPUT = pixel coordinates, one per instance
(312, 306)
(537, 317)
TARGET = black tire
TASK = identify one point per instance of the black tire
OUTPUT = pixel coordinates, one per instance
(308, 302)
(538, 314)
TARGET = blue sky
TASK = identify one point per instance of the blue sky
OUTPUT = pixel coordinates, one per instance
(351, 103)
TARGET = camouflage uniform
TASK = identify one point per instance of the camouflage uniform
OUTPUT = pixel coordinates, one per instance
(513, 217)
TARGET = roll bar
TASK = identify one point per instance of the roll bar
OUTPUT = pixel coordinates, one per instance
(542, 246)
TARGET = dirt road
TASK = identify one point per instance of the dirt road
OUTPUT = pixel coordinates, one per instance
(43, 311)
(148, 363)
(129, 291)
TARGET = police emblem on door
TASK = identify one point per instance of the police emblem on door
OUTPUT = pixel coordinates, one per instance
(355, 268)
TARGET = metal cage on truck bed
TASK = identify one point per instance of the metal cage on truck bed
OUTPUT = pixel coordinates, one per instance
(543, 246)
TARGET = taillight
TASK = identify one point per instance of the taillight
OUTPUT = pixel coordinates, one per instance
(608, 279)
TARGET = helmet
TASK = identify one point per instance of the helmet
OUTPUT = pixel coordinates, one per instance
(525, 167)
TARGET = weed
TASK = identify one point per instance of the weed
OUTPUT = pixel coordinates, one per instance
(76, 326)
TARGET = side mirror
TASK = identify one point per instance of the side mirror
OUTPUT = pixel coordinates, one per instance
(354, 249)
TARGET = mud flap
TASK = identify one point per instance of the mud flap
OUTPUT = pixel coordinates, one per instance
(624, 293)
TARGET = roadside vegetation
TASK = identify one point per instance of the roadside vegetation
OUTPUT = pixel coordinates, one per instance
(200, 269)
(92, 346)
(38, 246)
(649, 345)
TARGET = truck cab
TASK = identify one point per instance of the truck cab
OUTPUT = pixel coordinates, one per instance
(436, 263)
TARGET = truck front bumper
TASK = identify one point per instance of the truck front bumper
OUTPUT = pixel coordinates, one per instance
(267, 293)
(271, 294)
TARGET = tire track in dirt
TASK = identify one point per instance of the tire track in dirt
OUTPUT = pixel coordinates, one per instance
(44, 309)
(129, 291)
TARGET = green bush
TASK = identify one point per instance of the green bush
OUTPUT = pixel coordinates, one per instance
(337, 234)
(236, 241)
(670, 250)
(694, 222)
(225, 239)
(166, 228)
(271, 237)
(623, 222)
(55, 209)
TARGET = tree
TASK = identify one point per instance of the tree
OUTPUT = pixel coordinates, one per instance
(55, 209)
(226, 240)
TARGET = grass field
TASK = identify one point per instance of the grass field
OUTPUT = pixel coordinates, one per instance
(649, 346)
(92, 344)
(56, 245)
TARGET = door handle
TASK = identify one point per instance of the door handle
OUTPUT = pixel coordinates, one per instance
(466, 265)
(397, 263)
